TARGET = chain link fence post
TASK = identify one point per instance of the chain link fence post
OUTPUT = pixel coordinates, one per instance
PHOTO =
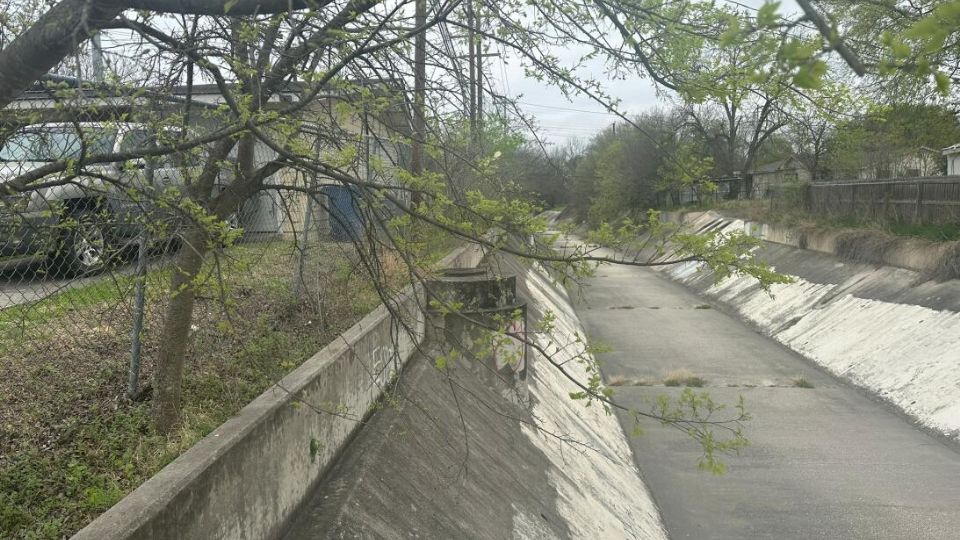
(303, 241)
(139, 296)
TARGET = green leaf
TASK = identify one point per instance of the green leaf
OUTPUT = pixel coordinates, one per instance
(923, 29)
(730, 35)
(899, 49)
(943, 82)
(811, 75)
(767, 14)
(314, 448)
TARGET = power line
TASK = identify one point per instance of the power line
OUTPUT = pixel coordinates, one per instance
(572, 125)
(740, 4)
(755, 10)
(568, 109)
(571, 132)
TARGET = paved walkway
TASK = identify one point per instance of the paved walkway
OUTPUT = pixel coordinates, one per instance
(826, 462)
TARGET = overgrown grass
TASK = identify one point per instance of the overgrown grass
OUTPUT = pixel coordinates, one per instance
(20, 320)
(72, 444)
(761, 210)
(937, 233)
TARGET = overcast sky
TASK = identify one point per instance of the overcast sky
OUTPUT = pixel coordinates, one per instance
(559, 118)
(580, 117)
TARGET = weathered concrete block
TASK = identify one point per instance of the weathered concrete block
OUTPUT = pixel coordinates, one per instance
(476, 315)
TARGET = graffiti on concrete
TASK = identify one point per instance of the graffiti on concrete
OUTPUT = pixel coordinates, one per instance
(383, 358)
(511, 352)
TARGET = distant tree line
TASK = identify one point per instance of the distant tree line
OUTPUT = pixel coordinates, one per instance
(628, 167)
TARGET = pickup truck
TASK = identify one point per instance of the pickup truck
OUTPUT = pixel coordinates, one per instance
(75, 227)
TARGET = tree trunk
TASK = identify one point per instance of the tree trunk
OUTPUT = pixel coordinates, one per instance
(731, 150)
(419, 96)
(56, 34)
(176, 331)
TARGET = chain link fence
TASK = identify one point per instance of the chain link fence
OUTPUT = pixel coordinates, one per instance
(717, 190)
(87, 260)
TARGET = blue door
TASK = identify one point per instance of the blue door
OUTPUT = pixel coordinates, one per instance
(346, 222)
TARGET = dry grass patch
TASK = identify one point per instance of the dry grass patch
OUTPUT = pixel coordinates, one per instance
(620, 380)
(948, 265)
(865, 246)
(683, 377)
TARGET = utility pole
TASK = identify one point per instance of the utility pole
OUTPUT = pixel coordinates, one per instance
(419, 93)
(96, 57)
(475, 56)
(472, 61)
(478, 52)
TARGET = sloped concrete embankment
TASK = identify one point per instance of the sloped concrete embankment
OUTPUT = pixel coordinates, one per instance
(887, 329)
(600, 491)
(456, 457)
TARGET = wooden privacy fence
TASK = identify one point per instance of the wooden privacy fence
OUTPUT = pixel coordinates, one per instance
(928, 200)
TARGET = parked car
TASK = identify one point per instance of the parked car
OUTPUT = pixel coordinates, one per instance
(76, 224)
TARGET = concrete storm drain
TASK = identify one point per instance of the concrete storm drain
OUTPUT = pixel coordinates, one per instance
(476, 315)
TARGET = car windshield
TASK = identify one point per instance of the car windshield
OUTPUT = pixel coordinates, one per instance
(55, 144)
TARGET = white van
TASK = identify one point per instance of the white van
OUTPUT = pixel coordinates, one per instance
(75, 221)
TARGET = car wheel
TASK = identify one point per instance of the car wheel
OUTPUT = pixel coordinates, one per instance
(83, 246)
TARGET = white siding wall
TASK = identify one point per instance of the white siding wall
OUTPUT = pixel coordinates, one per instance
(953, 164)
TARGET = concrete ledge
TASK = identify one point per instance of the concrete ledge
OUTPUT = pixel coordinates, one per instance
(910, 253)
(247, 477)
